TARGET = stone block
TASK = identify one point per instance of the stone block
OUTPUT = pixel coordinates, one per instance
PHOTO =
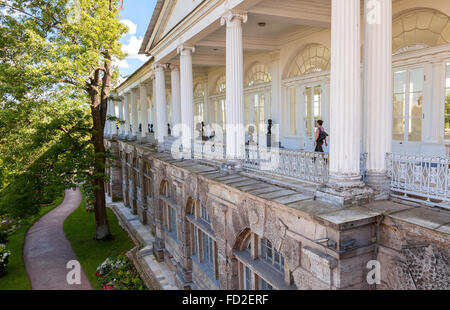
(318, 263)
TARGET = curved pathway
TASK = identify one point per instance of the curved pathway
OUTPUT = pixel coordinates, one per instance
(47, 251)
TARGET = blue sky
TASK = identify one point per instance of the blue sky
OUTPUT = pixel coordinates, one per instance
(136, 15)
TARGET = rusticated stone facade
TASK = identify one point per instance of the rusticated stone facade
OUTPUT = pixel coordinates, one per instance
(233, 231)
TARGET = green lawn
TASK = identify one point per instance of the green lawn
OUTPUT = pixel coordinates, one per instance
(16, 277)
(79, 228)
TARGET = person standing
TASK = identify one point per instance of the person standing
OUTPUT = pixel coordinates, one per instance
(320, 137)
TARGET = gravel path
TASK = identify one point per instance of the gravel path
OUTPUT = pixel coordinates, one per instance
(47, 251)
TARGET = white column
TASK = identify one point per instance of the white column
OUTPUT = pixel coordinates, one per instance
(378, 89)
(187, 96)
(161, 109)
(134, 114)
(113, 124)
(176, 96)
(144, 110)
(126, 111)
(121, 126)
(154, 120)
(234, 106)
(276, 96)
(437, 103)
(345, 85)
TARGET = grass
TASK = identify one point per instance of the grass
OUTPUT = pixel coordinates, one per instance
(16, 277)
(79, 228)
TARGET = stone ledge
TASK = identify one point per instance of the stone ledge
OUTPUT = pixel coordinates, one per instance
(154, 274)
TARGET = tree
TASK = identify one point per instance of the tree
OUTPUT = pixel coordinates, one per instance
(50, 47)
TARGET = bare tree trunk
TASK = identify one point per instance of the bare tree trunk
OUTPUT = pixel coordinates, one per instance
(98, 112)
(101, 219)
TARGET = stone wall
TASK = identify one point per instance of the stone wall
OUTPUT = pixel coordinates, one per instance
(329, 251)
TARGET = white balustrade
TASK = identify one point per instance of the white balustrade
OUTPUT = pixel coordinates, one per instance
(416, 176)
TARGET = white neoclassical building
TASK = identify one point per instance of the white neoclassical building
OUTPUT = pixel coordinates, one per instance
(376, 72)
(240, 84)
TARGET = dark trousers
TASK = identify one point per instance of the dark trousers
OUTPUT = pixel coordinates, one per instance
(319, 147)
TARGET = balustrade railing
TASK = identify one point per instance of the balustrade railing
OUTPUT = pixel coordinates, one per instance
(412, 176)
(420, 176)
(307, 166)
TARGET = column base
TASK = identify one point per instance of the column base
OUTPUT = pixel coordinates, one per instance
(231, 166)
(380, 183)
(131, 137)
(344, 191)
(160, 147)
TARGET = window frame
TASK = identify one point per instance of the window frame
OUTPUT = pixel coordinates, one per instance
(446, 90)
(406, 108)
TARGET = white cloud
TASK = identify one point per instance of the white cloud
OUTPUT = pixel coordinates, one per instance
(121, 63)
(132, 49)
(132, 27)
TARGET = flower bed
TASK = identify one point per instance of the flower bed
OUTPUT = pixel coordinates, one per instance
(7, 227)
(4, 259)
(118, 273)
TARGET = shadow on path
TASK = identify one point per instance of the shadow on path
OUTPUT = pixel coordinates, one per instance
(47, 251)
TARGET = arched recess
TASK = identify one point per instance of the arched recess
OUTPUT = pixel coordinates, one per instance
(199, 90)
(258, 73)
(311, 59)
(242, 239)
(189, 233)
(419, 28)
(221, 85)
(164, 188)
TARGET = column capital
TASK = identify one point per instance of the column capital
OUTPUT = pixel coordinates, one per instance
(185, 49)
(159, 67)
(231, 15)
(174, 67)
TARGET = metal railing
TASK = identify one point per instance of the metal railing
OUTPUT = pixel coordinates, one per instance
(420, 176)
(307, 166)
(208, 150)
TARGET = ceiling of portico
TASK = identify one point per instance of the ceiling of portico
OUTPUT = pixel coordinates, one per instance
(256, 38)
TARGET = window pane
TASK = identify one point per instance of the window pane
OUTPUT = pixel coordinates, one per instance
(308, 113)
(261, 113)
(448, 76)
(264, 286)
(398, 127)
(292, 110)
(447, 115)
(248, 278)
(399, 82)
(416, 78)
(317, 102)
(415, 117)
(194, 241)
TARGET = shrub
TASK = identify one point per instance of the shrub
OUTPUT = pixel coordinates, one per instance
(119, 273)
(4, 258)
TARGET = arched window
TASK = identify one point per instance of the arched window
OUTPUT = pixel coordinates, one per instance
(221, 85)
(313, 58)
(203, 240)
(257, 74)
(258, 259)
(199, 90)
(418, 29)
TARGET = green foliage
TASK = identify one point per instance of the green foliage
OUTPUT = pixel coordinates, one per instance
(55, 77)
(16, 277)
(90, 253)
